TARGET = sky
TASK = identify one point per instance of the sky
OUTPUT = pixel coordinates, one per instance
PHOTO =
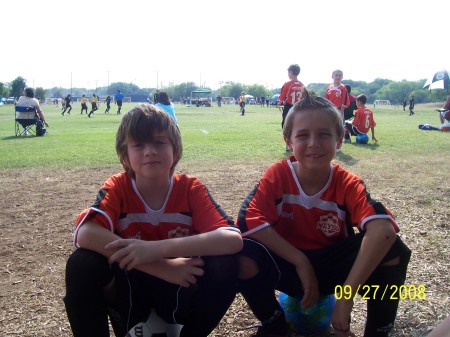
(158, 43)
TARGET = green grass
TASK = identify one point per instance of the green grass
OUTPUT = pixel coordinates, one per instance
(209, 134)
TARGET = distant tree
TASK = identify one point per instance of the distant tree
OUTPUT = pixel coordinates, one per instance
(17, 86)
(41, 93)
(4, 92)
(181, 90)
(376, 85)
(257, 90)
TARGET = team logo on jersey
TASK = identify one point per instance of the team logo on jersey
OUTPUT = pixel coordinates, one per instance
(328, 224)
(178, 233)
(288, 215)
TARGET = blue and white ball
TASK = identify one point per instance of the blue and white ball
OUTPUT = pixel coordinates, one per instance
(315, 319)
(362, 138)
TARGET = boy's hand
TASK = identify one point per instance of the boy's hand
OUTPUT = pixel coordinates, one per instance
(130, 253)
(182, 271)
(341, 318)
(309, 283)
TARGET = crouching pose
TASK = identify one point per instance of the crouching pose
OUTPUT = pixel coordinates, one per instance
(298, 232)
(151, 240)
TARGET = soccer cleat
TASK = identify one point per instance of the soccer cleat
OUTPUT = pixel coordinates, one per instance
(348, 141)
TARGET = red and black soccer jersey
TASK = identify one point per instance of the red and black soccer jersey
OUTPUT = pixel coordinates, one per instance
(363, 120)
(337, 95)
(291, 92)
(309, 222)
(188, 209)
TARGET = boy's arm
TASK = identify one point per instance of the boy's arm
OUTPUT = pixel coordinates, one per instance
(372, 129)
(94, 237)
(182, 271)
(131, 253)
(378, 239)
(277, 244)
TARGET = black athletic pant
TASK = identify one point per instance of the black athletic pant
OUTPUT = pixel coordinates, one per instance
(199, 308)
(332, 266)
(286, 109)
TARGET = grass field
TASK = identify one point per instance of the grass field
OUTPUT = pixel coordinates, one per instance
(218, 134)
(46, 181)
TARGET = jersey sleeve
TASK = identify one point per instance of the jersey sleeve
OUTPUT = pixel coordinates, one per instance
(360, 205)
(345, 97)
(283, 93)
(207, 215)
(260, 208)
(105, 210)
(327, 93)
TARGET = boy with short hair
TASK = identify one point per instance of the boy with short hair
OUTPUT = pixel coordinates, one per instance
(291, 91)
(152, 239)
(337, 93)
(362, 122)
(297, 226)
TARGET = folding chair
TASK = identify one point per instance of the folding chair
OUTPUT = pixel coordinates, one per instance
(26, 124)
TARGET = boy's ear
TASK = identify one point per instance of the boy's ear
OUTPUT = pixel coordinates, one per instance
(288, 143)
(339, 143)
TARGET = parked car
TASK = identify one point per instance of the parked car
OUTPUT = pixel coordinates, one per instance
(10, 100)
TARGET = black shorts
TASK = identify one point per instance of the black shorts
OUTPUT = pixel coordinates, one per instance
(352, 129)
(331, 264)
(119, 102)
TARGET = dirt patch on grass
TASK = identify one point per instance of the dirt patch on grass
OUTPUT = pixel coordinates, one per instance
(40, 206)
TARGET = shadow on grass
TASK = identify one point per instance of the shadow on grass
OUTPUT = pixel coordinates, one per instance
(15, 137)
(371, 146)
(348, 159)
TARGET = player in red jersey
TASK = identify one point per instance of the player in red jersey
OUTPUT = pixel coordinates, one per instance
(363, 121)
(337, 93)
(298, 232)
(291, 92)
(152, 239)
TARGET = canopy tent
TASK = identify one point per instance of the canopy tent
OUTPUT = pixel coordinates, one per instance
(440, 80)
(201, 97)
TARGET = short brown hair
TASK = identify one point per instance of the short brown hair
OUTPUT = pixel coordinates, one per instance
(310, 101)
(295, 69)
(362, 98)
(139, 124)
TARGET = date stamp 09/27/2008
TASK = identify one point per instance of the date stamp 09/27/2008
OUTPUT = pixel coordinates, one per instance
(392, 292)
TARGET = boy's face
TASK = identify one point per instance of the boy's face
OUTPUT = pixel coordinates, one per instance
(337, 76)
(290, 75)
(314, 139)
(151, 160)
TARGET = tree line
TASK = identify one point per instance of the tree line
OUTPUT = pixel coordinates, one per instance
(382, 89)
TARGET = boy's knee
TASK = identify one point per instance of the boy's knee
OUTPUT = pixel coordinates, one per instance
(86, 267)
(222, 268)
(247, 267)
